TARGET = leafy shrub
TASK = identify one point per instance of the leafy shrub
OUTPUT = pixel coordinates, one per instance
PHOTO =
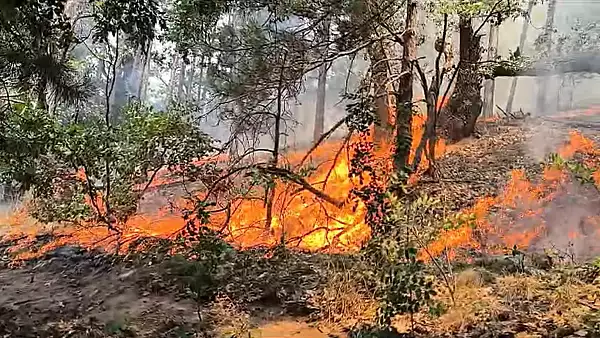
(202, 268)
(69, 166)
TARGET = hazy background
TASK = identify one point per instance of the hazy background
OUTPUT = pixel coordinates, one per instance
(563, 92)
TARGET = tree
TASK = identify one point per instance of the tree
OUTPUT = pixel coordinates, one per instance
(404, 97)
(513, 85)
(465, 104)
(321, 88)
(35, 38)
(545, 45)
(490, 85)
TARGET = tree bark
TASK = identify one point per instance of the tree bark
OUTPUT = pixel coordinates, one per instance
(321, 88)
(490, 85)
(134, 78)
(189, 87)
(145, 73)
(404, 97)
(513, 85)
(174, 64)
(465, 104)
(200, 81)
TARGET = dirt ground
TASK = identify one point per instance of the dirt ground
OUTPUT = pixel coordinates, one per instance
(72, 293)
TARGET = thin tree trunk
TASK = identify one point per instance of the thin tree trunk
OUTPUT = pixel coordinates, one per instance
(145, 73)
(181, 81)
(174, 64)
(134, 79)
(270, 193)
(404, 97)
(490, 85)
(513, 85)
(201, 79)
(190, 81)
(571, 92)
(321, 89)
(379, 74)
(543, 81)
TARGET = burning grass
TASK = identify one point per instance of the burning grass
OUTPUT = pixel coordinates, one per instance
(528, 214)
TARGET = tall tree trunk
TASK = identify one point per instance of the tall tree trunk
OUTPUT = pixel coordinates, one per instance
(379, 74)
(141, 94)
(465, 104)
(513, 85)
(189, 86)
(200, 81)
(362, 16)
(181, 81)
(404, 97)
(321, 88)
(134, 79)
(172, 81)
(547, 36)
(490, 85)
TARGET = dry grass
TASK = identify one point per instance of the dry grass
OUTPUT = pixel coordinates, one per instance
(345, 300)
(566, 301)
(473, 278)
(573, 301)
(227, 319)
(473, 304)
(518, 288)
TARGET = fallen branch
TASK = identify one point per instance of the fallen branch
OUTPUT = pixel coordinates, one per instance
(286, 174)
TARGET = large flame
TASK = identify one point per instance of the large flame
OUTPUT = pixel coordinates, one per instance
(299, 218)
(304, 221)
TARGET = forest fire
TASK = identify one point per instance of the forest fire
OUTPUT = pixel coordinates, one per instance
(304, 221)
(299, 218)
(528, 215)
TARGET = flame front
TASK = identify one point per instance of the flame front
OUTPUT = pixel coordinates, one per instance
(299, 218)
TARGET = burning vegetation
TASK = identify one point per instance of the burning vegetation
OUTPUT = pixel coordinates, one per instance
(422, 212)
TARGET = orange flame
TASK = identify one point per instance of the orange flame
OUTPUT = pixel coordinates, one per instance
(518, 220)
(300, 218)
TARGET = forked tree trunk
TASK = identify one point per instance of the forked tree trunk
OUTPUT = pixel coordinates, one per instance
(465, 104)
(404, 97)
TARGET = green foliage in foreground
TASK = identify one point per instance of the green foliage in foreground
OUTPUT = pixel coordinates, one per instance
(402, 283)
(63, 163)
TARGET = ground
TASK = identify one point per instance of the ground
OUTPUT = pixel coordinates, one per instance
(70, 292)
